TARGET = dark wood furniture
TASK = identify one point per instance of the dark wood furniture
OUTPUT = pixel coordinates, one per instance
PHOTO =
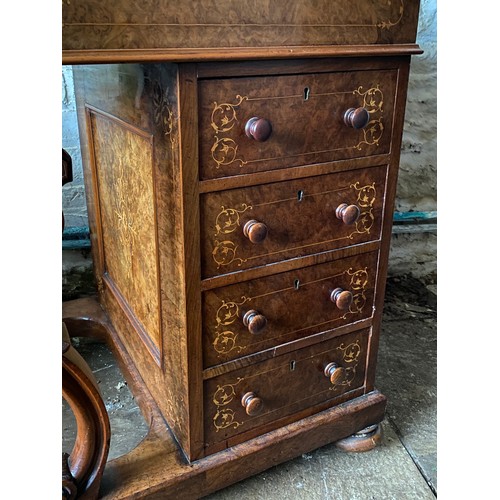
(240, 167)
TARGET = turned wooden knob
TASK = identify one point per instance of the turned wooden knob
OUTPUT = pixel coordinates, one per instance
(341, 298)
(259, 129)
(334, 372)
(252, 404)
(255, 231)
(356, 117)
(348, 214)
(254, 321)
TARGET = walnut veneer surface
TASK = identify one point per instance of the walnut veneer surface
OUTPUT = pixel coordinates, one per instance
(173, 28)
(241, 202)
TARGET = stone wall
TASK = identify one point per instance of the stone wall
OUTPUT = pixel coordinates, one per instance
(417, 175)
(73, 194)
(412, 252)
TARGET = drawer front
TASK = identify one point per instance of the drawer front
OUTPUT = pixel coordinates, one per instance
(306, 118)
(249, 227)
(283, 386)
(248, 317)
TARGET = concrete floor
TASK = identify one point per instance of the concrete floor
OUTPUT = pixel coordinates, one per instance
(404, 466)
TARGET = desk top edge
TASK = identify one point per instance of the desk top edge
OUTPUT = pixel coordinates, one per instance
(178, 55)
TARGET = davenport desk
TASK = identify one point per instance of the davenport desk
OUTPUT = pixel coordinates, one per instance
(240, 164)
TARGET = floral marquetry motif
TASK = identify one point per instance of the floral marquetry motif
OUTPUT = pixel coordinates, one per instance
(225, 417)
(123, 158)
(226, 222)
(350, 354)
(373, 101)
(366, 194)
(224, 152)
(224, 149)
(389, 23)
(125, 219)
(162, 112)
(224, 115)
(359, 279)
(225, 342)
(224, 253)
(227, 314)
(225, 394)
(365, 199)
(359, 282)
(228, 219)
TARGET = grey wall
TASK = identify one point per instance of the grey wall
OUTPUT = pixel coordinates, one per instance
(413, 251)
(417, 176)
(75, 210)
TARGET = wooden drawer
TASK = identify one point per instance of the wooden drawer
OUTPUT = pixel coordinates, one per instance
(299, 217)
(284, 386)
(252, 316)
(306, 115)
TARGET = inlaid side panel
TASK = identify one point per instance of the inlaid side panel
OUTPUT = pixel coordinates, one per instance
(111, 24)
(130, 120)
(123, 159)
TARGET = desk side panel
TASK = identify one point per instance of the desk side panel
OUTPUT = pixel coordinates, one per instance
(128, 119)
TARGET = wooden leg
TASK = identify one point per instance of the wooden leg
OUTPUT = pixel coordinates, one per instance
(364, 440)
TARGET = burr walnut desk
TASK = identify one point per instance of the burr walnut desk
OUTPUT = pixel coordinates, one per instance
(240, 166)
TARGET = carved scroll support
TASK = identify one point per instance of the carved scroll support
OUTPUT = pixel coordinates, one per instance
(82, 469)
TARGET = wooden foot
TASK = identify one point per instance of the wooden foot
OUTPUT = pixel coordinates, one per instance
(364, 440)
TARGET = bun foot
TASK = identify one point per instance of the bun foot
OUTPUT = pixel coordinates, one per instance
(364, 440)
